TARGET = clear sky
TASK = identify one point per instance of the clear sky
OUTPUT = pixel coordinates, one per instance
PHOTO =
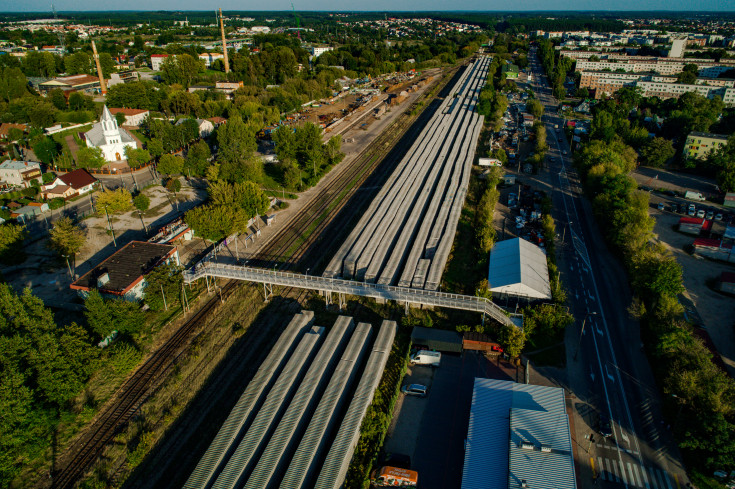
(372, 5)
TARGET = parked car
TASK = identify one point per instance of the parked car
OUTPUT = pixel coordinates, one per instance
(700, 213)
(661, 206)
(718, 216)
(418, 390)
(710, 214)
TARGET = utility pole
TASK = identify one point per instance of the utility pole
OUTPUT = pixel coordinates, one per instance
(111, 230)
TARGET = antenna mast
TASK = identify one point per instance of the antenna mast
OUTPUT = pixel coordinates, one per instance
(298, 25)
(59, 33)
(224, 41)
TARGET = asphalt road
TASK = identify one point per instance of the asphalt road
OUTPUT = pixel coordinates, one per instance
(608, 372)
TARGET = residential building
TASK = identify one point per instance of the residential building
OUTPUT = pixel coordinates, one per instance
(518, 437)
(5, 128)
(28, 211)
(677, 48)
(206, 127)
(157, 60)
(317, 51)
(209, 58)
(196, 88)
(81, 83)
(133, 117)
(127, 76)
(19, 173)
(699, 144)
(227, 87)
(68, 185)
(110, 138)
(123, 274)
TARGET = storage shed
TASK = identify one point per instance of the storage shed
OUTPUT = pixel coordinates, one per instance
(518, 269)
(691, 225)
(437, 339)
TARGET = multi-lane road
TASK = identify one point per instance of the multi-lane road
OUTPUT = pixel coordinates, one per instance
(608, 373)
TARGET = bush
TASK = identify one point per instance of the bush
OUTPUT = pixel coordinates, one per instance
(56, 203)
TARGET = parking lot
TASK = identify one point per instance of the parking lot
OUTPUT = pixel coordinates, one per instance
(715, 309)
(432, 430)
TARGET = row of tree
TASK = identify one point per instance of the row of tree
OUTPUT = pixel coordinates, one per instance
(694, 387)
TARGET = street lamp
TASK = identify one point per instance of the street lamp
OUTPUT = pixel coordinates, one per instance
(579, 343)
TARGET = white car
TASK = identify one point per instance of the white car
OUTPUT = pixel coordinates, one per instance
(718, 216)
(700, 213)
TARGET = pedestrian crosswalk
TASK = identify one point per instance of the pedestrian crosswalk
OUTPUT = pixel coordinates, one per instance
(633, 474)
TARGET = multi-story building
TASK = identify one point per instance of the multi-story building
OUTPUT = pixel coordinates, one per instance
(19, 173)
(677, 48)
(317, 51)
(209, 58)
(157, 60)
(700, 144)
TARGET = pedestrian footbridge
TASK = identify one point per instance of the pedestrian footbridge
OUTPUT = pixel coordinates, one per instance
(329, 286)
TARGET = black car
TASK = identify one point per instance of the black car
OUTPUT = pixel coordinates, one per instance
(605, 428)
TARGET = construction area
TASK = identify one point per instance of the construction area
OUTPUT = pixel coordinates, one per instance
(297, 423)
(405, 236)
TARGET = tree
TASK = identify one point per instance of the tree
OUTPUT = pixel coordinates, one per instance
(656, 152)
(107, 315)
(155, 147)
(57, 98)
(11, 240)
(77, 63)
(115, 201)
(535, 108)
(136, 157)
(513, 339)
(88, 157)
(42, 115)
(197, 159)
(236, 143)
(173, 185)
(79, 101)
(141, 202)
(120, 118)
(216, 222)
(170, 165)
(66, 238)
(163, 281)
(46, 149)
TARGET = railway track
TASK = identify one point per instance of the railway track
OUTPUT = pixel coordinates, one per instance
(129, 398)
(287, 248)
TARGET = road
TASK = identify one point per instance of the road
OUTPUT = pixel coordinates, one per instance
(608, 372)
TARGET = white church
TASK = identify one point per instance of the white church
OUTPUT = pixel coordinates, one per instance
(112, 140)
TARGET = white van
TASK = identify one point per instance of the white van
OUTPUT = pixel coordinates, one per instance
(426, 357)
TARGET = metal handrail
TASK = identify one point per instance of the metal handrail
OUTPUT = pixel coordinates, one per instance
(315, 282)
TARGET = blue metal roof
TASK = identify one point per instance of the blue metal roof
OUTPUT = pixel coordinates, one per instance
(505, 417)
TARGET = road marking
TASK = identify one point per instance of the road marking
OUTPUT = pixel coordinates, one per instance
(634, 474)
(592, 464)
(625, 437)
(599, 331)
(614, 464)
(645, 478)
(676, 478)
(602, 468)
(622, 473)
(592, 374)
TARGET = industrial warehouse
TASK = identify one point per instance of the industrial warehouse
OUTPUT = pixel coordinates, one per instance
(281, 432)
(405, 236)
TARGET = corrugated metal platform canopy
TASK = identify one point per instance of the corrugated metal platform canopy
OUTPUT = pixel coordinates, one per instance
(518, 268)
(539, 448)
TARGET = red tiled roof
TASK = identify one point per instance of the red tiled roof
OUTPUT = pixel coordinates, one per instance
(160, 55)
(5, 128)
(217, 120)
(127, 111)
(78, 179)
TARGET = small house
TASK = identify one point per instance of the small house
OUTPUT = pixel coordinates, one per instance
(133, 117)
(68, 185)
(691, 225)
(19, 173)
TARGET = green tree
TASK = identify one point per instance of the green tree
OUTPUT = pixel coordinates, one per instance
(141, 202)
(57, 98)
(512, 339)
(197, 159)
(163, 281)
(66, 238)
(656, 152)
(115, 201)
(136, 157)
(535, 108)
(46, 149)
(107, 315)
(216, 222)
(173, 185)
(77, 63)
(170, 165)
(155, 147)
(11, 241)
(88, 157)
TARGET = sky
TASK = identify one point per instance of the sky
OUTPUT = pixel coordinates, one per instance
(374, 5)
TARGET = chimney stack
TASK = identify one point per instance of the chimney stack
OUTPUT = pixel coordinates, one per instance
(103, 87)
(224, 42)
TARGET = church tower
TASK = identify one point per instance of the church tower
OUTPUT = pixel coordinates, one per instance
(109, 127)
